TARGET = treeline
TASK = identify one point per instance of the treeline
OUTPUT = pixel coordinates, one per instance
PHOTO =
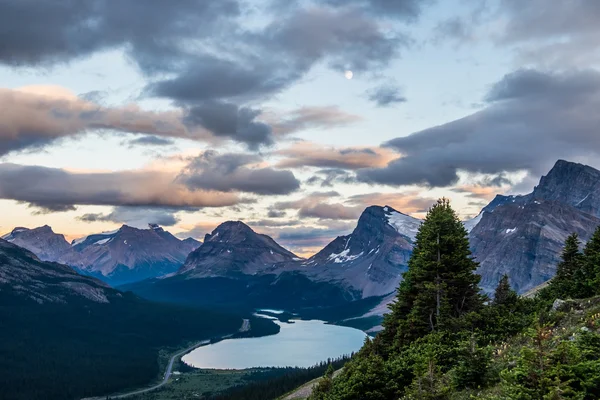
(281, 381)
(444, 340)
(75, 350)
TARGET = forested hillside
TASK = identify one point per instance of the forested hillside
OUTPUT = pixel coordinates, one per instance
(65, 336)
(444, 340)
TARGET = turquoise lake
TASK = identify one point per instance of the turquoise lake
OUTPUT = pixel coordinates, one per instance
(298, 344)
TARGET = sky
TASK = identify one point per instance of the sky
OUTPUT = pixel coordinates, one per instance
(290, 116)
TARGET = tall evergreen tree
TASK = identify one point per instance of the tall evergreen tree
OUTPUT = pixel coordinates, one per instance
(504, 295)
(570, 278)
(440, 284)
(587, 278)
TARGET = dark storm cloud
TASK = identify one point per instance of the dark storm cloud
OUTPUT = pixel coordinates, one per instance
(135, 216)
(532, 119)
(211, 78)
(234, 172)
(276, 56)
(45, 32)
(53, 189)
(386, 95)
(229, 120)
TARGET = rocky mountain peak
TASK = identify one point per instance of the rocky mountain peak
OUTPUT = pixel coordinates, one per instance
(571, 183)
(42, 241)
(233, 247)
(230, 232)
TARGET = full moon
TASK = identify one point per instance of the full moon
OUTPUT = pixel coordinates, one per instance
(348, 74)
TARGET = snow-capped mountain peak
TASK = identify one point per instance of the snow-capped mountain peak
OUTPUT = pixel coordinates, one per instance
(402, 223)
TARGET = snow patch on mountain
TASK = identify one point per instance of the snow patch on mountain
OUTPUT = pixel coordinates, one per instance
(472, 223)
(402, 223)
(344, 256)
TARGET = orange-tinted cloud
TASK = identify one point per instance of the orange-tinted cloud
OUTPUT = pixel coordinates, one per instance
(307, 154)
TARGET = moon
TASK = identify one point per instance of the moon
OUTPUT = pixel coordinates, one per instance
(348, 74)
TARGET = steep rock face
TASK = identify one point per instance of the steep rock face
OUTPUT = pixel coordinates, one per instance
(41, 241)
(129, 254)
(523, 235)
(233, 248)
(372, 258)
(24, 275)
(571, 183)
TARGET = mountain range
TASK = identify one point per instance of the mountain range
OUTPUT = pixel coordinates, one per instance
(521, 236)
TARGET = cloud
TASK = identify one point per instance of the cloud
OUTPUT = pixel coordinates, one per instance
(558, 34)
(45, 32)
(563, 32)
(403, 9)
(273, 223)
(134, 216)
(311, 154)
(198, 231)
(36, 116)
(199, 56)
(307, 240)
(330, 177)
(312, 118)
(532, 118)
(276, 214)
(237, 172)
(33, 117)
(277, 55)
(315, 205)
(55, 189)
(386, 95)
(150, 140)
(229, 120)
(406, 202)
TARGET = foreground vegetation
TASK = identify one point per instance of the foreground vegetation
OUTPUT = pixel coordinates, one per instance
(444, 340)
(80, 349)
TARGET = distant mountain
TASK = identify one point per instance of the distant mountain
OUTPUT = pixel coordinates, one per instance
(233, 248)
(124, 255)
(42, 241)
(523, 235)
(372, 258)
(129, 254)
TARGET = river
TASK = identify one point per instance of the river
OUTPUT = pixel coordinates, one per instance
(298, 344)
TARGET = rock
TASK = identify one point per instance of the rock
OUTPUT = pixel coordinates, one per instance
(558, 304)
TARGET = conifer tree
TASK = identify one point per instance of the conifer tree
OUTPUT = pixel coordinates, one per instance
(440, 284)
(565, 284)
(587, 278)
(504, 294)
